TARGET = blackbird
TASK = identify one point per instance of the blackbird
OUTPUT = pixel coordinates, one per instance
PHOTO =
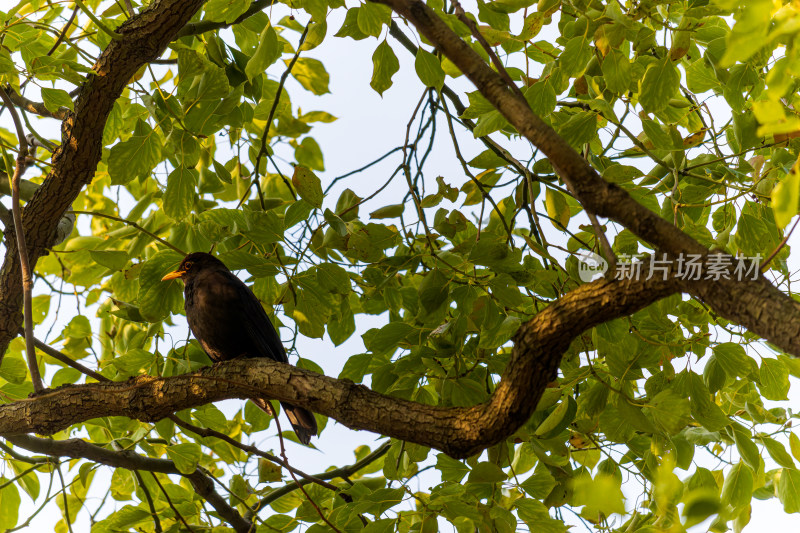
(228, 321)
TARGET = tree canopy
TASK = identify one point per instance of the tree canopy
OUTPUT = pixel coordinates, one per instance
(588, 321)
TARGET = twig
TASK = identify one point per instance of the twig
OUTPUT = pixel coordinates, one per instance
(778, 248)
(133, 225)
(342, 472)
(265, 136)
(171, 505)
(462, 16)
(63, 32)
(153, 513)
(105, 29)
(22, 248)
(55, 354)
(303, 490)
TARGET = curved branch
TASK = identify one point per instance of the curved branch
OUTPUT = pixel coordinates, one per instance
(79, 449)
(458, 431)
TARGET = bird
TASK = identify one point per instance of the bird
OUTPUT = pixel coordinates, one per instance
(229, 322)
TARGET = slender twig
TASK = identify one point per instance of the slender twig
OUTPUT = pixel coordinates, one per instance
(171, 505)
(63, 32)
(55, 354)
(153, 513)
(66, 501)
(263, 150)
(342, 472)
(105, 29)
(302, 489)
(133, 225)
(22, 247)
(462, 16)
(778, 248)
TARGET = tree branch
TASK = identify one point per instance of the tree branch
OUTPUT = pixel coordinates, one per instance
(458, 431)
(79, 449)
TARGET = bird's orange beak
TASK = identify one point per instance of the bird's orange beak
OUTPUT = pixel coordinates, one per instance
(174, 275)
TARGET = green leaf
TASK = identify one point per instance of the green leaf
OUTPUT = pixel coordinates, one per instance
(136, 157)
(576, 55)
(179, 197)
(335, 222)
(311, 74)
(789, 490)
(9, 504)
(485, 472)
(738, 487)
(778, 452)
(794, 445)
(384, 66)
(540, 483)
(429, 69)
(579, 129)
(433, 290)
(386, 338)
(309, 154)
(308, 186)
(225, 10)
(786, 199)
(54, 99)
(372, 17)
(601, 494)
(350, 26)
(111, 259)
(557, 209)
(774, 380)
(388, 211)
(451, 469)
(158, 299)
(617, 72)
(13, 370)
(268, 52)
(186, 456)
(660, 83)
(669, 411)
(747, 449)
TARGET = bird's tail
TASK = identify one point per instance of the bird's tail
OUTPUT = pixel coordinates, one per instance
(302, 420)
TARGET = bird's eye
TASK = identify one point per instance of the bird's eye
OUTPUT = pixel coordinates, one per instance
(188, 266)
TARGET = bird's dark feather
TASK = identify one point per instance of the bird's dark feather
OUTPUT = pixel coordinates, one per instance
(229, 321)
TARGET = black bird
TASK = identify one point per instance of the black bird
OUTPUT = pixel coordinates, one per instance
(228, 321)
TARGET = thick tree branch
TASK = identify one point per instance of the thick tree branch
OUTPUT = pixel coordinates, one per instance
(459, 431)
(79, 449)
(143, 39)
(753, 301)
